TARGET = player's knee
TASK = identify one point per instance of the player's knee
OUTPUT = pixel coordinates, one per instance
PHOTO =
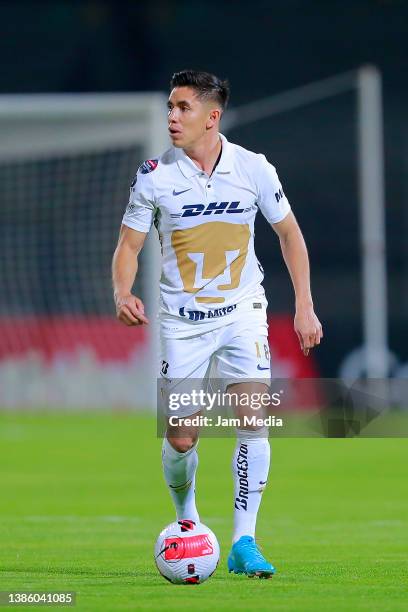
(182, 445)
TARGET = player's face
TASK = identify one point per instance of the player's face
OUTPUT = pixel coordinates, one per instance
(189, 117)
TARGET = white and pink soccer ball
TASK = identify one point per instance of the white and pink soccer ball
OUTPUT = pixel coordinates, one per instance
(186, 552)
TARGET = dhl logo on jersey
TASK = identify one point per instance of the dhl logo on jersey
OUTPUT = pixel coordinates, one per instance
(214, 208)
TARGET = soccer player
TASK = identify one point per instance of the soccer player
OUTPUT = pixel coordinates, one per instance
(202, 195)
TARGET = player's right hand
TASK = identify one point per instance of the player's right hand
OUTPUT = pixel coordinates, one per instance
(130, 310)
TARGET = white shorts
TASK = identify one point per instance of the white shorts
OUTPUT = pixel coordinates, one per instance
(231, 349)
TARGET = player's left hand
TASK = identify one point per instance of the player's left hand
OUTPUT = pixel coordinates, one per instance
(308, 328)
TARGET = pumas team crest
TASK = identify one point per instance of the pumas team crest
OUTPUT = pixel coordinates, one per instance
(148, 166)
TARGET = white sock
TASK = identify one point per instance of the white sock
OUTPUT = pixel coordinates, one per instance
(250, 467)
(179, 474)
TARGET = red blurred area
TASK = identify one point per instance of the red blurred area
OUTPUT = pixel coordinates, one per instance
(286, 351)
(111, 341)
(50, 336)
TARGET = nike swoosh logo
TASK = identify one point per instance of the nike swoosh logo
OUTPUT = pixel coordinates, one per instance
(182, 487)
(178, 192)
(259, 368)
(262, 482)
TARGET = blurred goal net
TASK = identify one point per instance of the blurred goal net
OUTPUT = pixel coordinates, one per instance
(66, 164)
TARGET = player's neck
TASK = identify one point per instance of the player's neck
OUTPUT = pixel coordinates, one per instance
(205, 153)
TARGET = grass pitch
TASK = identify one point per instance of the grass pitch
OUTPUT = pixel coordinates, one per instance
(82, 500)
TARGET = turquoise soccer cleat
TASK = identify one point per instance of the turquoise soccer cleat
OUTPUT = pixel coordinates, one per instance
(246, 558)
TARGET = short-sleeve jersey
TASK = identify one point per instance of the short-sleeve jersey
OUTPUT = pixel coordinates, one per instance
(206, 225)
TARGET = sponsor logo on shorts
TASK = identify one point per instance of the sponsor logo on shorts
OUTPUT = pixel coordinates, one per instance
(199, 315)
(164, 367)
(241, 501)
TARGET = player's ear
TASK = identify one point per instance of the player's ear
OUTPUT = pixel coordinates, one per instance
(213, 118)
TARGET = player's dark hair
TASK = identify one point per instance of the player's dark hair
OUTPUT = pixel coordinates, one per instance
(208, 86)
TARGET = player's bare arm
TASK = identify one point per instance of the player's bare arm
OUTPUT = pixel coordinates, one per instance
(129, 308)
(307, 326)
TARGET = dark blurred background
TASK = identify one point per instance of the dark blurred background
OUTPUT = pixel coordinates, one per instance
(263, 48)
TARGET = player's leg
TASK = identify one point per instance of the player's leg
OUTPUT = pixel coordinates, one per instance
(250, 469)
(250, 462)
(180, 461)
(185, 362)
(245, 355)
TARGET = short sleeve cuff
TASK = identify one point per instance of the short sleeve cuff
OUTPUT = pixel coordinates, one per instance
(281, 215)
(136, 225)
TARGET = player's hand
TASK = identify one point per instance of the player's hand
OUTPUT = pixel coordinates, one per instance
(130, 310)
(308, 328)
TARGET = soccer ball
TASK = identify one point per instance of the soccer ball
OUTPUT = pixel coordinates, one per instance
(186, 552)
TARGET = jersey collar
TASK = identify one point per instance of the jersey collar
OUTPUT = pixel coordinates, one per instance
(189, 169)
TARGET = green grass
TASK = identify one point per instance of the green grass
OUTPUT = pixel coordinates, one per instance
(82, 501)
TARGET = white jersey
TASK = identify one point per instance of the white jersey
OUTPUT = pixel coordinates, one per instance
(206, 226)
